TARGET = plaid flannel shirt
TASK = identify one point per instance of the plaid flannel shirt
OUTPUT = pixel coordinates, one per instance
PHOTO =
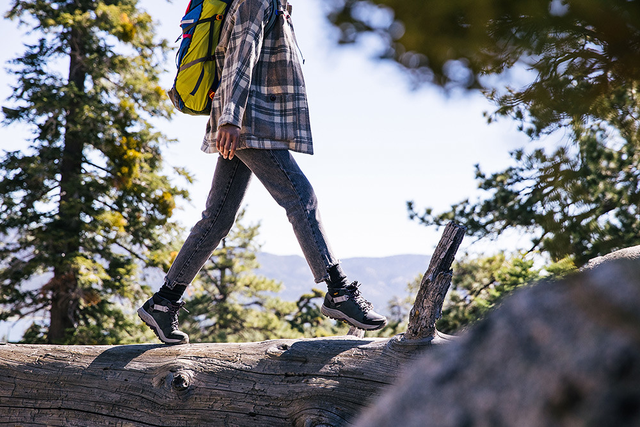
(262, 89)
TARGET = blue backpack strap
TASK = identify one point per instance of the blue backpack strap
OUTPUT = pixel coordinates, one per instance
(272, 17)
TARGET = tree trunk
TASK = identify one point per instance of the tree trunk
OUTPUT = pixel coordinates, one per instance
(304, 382)
(67, 228)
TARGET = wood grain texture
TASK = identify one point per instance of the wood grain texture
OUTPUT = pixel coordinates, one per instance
(435, 284)
(305, 382)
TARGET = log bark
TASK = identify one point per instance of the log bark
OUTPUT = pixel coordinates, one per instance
(305, 382)
(435, 283)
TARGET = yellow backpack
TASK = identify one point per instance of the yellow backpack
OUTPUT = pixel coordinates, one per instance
(197, 80)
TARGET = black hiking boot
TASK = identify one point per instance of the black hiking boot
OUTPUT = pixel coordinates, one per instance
(161, 315)
(349, 305)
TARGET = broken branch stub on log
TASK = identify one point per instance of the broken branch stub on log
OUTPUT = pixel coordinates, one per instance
(435, 283)
(356, 332)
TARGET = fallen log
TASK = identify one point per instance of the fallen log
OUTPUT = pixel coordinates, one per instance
(304, 382)
(273, 383)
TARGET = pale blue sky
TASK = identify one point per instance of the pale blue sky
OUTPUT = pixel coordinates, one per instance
(378, 144)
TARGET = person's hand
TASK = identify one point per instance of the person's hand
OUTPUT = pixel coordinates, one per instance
(227, 140)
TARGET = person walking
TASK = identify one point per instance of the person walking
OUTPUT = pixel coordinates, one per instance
(259, 116)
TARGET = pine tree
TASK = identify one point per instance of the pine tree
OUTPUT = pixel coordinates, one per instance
(87, 202)
(228, 302)
(479, 284)
(309, 321)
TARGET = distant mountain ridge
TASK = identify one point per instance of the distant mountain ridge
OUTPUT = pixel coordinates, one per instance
(382, 278)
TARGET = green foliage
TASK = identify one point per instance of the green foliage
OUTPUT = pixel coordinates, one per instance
(478, 286)
(580, 201)
(578, 52)
(87, 201)
(310, 322)
(109, 323)
(576, 67)
(35, 334)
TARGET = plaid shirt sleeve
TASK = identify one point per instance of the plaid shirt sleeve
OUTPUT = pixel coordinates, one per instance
(241, 55)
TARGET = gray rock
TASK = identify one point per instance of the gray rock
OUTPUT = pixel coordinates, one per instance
(632, 253)
(554, 354)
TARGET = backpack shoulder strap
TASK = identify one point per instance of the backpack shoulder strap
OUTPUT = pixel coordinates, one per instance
(272, 17)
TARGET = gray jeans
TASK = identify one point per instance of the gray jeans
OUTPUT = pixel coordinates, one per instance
(281, 176)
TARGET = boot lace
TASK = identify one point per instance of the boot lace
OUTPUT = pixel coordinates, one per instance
(354, 293)
(173, 311)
